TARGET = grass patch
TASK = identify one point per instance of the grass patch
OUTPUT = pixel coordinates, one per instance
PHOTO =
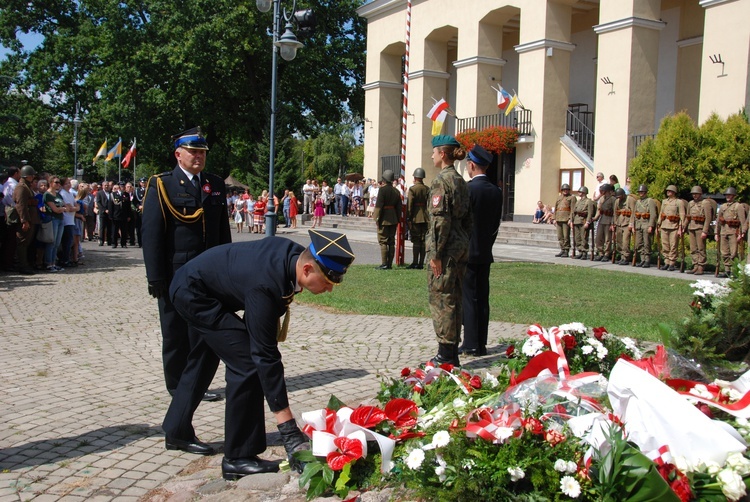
(626, 304)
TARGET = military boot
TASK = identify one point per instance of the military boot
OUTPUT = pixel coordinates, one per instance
(698, 271)
(692, 270)
(447, 354)
(560, 254)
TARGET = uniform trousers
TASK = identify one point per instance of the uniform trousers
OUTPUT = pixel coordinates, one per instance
(643, 242)
(24, 241)
(622, 238)
(728, 247)
(9, 243)
(418, 234)
(563, 235)
(446, 301)
(227, 339)
(669, 245)
(387, 241)
(476, 305)
(175, 343)
(604, 238)
(697, 247)
(581, 236)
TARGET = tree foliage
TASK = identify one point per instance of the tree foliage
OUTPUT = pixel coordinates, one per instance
(715, 155)
(150, 68)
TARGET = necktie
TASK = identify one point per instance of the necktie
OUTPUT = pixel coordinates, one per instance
(196, 182)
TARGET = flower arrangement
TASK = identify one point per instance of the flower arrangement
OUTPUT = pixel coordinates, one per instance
(496, 139)
(560, 421)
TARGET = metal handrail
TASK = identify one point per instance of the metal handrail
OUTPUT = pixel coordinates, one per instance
(518, 119)
(638, 139)
(580, 133)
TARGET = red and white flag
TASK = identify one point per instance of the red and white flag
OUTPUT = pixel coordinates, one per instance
(129, 156)
(438, 111)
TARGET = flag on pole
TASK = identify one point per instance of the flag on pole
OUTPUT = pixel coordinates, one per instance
(513, 103)
(503, 98)
(116, 151)
(102, 151)
(437, 114)
(129, 156)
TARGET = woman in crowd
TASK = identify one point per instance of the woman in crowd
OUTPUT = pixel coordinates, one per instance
(373, 190)
(318, 212)
(240, 210)
(293, 208)
(259, 213)
(539, 213)
(356, 198)
(80, 220)
(55, 207)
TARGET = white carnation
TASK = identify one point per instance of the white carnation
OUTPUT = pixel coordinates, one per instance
(532, 346)
(491, 380)
(440, 439)
(516, 473)
(561, 465)
(701, 390)
(415, 459)
(573, 327)
(570, 487)
(587, 349)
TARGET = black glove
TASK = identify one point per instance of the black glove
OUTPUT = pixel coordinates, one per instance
(294, 440)
(157, 289)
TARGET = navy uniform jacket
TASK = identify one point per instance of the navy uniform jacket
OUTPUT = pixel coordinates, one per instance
(487, 207)
(258, 277)
(119, 206)
(170, 236)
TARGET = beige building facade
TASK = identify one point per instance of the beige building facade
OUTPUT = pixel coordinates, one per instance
(594, 77)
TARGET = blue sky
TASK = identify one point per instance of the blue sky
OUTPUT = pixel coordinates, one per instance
(29, 41)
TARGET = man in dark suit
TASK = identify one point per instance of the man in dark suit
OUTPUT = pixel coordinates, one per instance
(486, 206)
(183, 213)
(265, 276)
(120, 213)
(103, 213)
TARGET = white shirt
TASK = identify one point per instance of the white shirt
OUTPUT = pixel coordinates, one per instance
(68, 217)
(8, 189)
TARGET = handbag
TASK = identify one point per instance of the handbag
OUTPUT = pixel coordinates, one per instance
(45, 233)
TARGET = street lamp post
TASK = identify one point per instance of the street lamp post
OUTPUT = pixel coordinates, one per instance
(287, 45)
(76, 125)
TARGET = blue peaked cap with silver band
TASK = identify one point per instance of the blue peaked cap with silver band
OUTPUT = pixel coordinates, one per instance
(332, 253)
(192, 138)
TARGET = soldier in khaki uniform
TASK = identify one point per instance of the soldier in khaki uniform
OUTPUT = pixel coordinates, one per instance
(671, 223)
(624, 207)
(699, 216)
(583, 215)
(563, 210)
(643, 223)
(731, 226)
(416, 214)
(386, 216)
(448, 234)
(605, 227)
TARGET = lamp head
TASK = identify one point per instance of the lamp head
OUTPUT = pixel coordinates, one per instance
(288, 44)
(263, 5)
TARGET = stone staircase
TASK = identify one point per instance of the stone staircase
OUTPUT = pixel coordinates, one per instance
(512, 233)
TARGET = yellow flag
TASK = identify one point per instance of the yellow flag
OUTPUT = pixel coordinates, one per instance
(513, 103)
(437, 126)
(102, 151)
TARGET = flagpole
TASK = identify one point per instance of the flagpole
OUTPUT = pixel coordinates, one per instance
(119, 162)
(401, 233)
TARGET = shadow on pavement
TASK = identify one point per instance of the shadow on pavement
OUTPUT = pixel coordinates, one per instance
(48, 451)
(318, 378)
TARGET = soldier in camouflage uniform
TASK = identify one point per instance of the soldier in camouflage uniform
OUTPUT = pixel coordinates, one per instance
(671, 222)
(448, 233)
(731, 226)
(416, 215)
(643, 223)
(605, 227)
(699, 216)
(624, 206)
(583, 214)
(563, 209)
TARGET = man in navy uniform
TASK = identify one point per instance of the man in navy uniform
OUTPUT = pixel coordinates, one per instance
(183, 214)
(487, 207)
(265, 276)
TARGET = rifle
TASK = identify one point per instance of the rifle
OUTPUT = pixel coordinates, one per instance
(593, 244)
(658, 247)
(573, 240)
(682, 250)
(718, 253)
(614, 245)
(635, 249)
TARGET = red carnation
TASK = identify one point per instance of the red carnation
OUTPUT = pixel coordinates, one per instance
(405, 372)
(600, 332)
(533, 425)
(569, 341)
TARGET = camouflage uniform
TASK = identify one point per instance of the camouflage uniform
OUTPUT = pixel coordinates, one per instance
(563, 209)
(605, 217)
(583, 214)
(672, 218)
(624, 208)
(416, 213)
(449, 230)
(699, 216)
(731, 223)
(643, 222)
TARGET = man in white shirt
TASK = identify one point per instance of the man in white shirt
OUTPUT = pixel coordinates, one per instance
(337, 189)
(599, 182)
(309, 197)
(8, 239)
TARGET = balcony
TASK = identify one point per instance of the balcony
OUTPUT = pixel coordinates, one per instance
(518, 119)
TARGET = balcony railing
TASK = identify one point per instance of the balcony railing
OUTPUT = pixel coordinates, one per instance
(518, 119)
(577, 130)
(638, 139)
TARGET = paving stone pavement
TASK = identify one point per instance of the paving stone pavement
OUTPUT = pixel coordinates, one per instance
(82, 395)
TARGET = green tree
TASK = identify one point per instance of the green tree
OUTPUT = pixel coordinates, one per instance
(328, 155)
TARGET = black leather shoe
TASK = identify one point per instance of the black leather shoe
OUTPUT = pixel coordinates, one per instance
(211, 396)
(193, 446)
(671, 268)
(482, 351)
(560, 254)
(241, 467)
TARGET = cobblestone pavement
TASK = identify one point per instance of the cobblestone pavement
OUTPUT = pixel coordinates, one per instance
(82, 394)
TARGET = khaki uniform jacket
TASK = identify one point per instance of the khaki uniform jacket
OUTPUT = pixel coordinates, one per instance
(606, 212)
(699, 215)
(416, 204)
(645, 215)
(672, 214)
(731, 218)
(25, 201)
(624, 210)
(584, 212)
(450, 224)
(564, 207)
(388, 206)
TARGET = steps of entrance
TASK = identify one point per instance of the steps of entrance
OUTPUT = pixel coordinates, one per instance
(337, 222)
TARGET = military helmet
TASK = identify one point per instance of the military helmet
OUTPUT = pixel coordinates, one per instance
(419, 173)
(388, 176)
(605, 187)
(730, 191)
(671, 188)
(643, 188)
(565, 186)
(583, 190)
(27, 171)
(696, 189)
(620, 192)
